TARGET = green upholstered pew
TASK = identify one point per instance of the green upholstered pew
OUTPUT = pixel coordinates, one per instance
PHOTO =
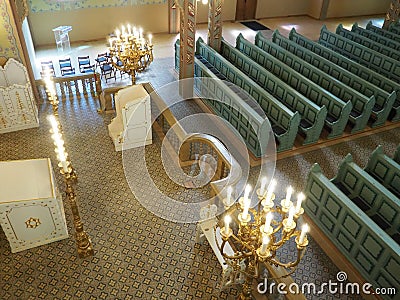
(394, 28)
(362, 104)
(383, 32)
(366, 246)
(177, 51)
(384, 101)
(284, 122)
(367, 42)
(373, 198)
(352, 66)
(375, 37)
(312, 115)
(396, 156)
(385, 170)
(338, 111)
(378, 62)
(250, 123)
(362, 40)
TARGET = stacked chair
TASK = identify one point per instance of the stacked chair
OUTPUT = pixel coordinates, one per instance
(66, 67)
(107, 70)
(47, 69)
(85, 66)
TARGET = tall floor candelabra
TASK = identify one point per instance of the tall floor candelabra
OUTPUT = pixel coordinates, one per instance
(258, 233)
(84, 244)
(130, 52)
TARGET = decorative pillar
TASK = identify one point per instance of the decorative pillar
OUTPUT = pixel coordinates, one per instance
(392, 14)
(215, 24)
(173, 17)
(187, 10)
(324, 9)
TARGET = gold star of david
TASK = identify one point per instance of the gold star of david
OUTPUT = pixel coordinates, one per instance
(32, 223)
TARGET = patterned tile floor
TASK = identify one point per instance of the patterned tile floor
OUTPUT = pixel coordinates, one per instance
(138, 255)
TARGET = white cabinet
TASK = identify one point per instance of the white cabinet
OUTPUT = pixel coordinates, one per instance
(17, 106)
(31, 208)
(132, 125)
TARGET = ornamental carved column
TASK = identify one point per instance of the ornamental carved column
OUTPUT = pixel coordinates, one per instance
(215, 24)
(187, 10)
(392, 14)
(187, 37)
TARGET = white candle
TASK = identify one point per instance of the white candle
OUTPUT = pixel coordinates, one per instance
(263, 184)
(53, 123)
(271, 189)
(265, 242)
(129, 29)
(150, 37)
(60, 144)
(227, 220)
(204, 2)
(122, 30)
(300, 198)
(140, 33)
(134, 31)
(246, 205)
(117, 33)
(289, 192)
(268, 219)
(290, 216)
(304, 230)
(229, 191)
(64, 166)
(62, 158)
(247, 192)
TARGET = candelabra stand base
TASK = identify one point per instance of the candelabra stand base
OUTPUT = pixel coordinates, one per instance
(83, 241)
(85, 248)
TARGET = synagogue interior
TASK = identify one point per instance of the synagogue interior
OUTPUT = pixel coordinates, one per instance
(200, 149)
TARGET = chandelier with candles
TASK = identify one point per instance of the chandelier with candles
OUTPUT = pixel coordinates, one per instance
(130, 52)
(256, 234)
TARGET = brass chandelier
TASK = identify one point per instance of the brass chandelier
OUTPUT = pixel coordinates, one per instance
(130, 52)
(256, 234)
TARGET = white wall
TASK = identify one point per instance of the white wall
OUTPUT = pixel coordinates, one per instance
(29, 46)
(344, 8)
(281, 8)
(228, 11)
(314, 8)
(96, 23)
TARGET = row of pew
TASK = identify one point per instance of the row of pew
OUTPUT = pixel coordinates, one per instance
(359, 212)
(307, 90)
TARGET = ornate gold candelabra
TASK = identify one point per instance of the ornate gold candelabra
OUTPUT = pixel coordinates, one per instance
(51, 91)
(259, 232)
(130, 52)
(84, 244)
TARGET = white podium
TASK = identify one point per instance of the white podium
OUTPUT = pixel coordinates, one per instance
(132, 125)
(62, 38)
(31, 208)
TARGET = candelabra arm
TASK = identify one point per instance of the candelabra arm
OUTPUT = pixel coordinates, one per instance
(230, 257)
(290, 265)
